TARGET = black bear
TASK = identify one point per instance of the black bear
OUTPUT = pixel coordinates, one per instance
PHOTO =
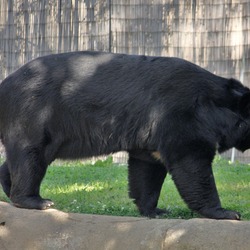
(170, 115)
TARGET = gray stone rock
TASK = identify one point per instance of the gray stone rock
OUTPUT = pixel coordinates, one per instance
(52, 229)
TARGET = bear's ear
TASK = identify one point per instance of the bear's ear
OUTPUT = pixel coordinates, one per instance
(236, 87)
(244, 105)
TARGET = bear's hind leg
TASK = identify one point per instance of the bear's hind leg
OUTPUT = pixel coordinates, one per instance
(27, 168)
(5, 178)
(146, 176)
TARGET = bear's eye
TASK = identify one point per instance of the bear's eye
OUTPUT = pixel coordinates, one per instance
(240, 123)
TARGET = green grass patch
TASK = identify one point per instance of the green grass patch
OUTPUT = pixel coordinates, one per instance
(101, 188)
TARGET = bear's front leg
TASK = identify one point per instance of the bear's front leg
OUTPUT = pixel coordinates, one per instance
(5, 178)
(146, 176)
(195, 182)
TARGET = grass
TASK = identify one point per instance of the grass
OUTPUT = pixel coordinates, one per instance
(101, 188)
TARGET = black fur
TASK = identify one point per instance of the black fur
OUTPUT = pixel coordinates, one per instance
(86, 104)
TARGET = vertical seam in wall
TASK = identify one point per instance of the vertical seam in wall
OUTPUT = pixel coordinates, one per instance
(110, 25)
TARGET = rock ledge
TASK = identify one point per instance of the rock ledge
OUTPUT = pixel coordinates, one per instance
(52, 229)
